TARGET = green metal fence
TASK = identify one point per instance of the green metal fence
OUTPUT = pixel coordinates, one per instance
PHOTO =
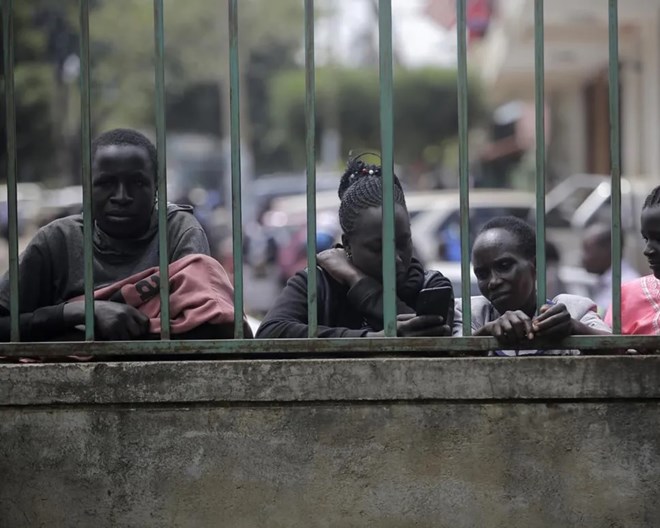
(301, 347)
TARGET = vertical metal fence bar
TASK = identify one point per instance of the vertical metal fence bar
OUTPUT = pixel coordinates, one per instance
(10, 123)
(237, 215)
(163, 251)
(463, 167)
(539, 92)
(310, 144)
(615, 157)
(85, 118)
(387, 154)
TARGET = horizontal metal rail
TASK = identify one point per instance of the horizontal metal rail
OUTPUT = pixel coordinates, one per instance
(414, 346)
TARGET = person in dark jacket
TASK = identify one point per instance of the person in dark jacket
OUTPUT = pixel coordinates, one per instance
(349, 277)
(125, 242)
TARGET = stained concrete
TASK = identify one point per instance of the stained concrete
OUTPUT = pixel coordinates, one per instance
(533, 442)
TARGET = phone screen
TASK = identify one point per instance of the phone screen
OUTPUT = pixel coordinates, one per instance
(434, 301)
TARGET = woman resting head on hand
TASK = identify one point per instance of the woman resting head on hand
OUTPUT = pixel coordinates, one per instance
(349, 277)
(504, 262)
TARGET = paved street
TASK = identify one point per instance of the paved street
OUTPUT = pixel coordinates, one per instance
(260, 292)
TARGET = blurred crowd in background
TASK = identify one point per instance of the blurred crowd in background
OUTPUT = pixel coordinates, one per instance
(272, 92)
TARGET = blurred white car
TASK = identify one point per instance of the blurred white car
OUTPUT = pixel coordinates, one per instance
(583, 199)
(29, 201)
(436, 231)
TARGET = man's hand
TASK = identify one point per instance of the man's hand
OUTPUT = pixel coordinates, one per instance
(336, 263)
(510, 329)
(113, 321)
(553, 321)
(411, 325)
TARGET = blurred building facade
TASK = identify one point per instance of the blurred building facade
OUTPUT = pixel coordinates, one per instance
(576, 78)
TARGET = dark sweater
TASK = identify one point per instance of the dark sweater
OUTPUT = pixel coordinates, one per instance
(51, 269)
(342, 312)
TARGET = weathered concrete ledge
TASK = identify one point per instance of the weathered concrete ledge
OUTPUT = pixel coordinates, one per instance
(545, 378)
(437, 443)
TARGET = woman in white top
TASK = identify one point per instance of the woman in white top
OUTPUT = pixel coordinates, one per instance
(504, 263)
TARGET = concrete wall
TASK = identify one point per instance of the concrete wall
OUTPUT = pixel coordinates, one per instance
(455, 443)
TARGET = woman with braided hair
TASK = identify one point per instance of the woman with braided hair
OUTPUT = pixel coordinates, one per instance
(640, 298)
(349, 276)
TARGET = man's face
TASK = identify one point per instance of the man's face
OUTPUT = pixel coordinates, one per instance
(123, 190)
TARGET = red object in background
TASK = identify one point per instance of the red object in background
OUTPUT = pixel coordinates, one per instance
(443, 12)
(478, 15)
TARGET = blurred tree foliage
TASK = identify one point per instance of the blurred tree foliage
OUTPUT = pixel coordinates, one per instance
(425, 110)
(197, 63)
(122, 72)
(197, 83)
(34, 81)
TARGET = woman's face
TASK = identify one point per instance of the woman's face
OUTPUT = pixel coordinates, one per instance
(366, 243)
(651, 235)
(505, 277)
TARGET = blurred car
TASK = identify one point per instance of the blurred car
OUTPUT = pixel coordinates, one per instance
(286, 221)
(584, 199)
(266, 190)
(292, 256)
(292, 209)
(58, 203)
(195, 161)
(563, 200)
(436, 231)
(29, 201)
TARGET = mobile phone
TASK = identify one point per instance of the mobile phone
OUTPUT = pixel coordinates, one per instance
(435, 301)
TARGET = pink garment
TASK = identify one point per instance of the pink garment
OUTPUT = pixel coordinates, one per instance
(640, 307)
(200, 292)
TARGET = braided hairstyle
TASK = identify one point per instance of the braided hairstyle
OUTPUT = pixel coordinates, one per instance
(653, 199)
(361, 187)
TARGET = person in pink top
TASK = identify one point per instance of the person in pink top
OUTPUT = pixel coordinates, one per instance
(640, 299)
